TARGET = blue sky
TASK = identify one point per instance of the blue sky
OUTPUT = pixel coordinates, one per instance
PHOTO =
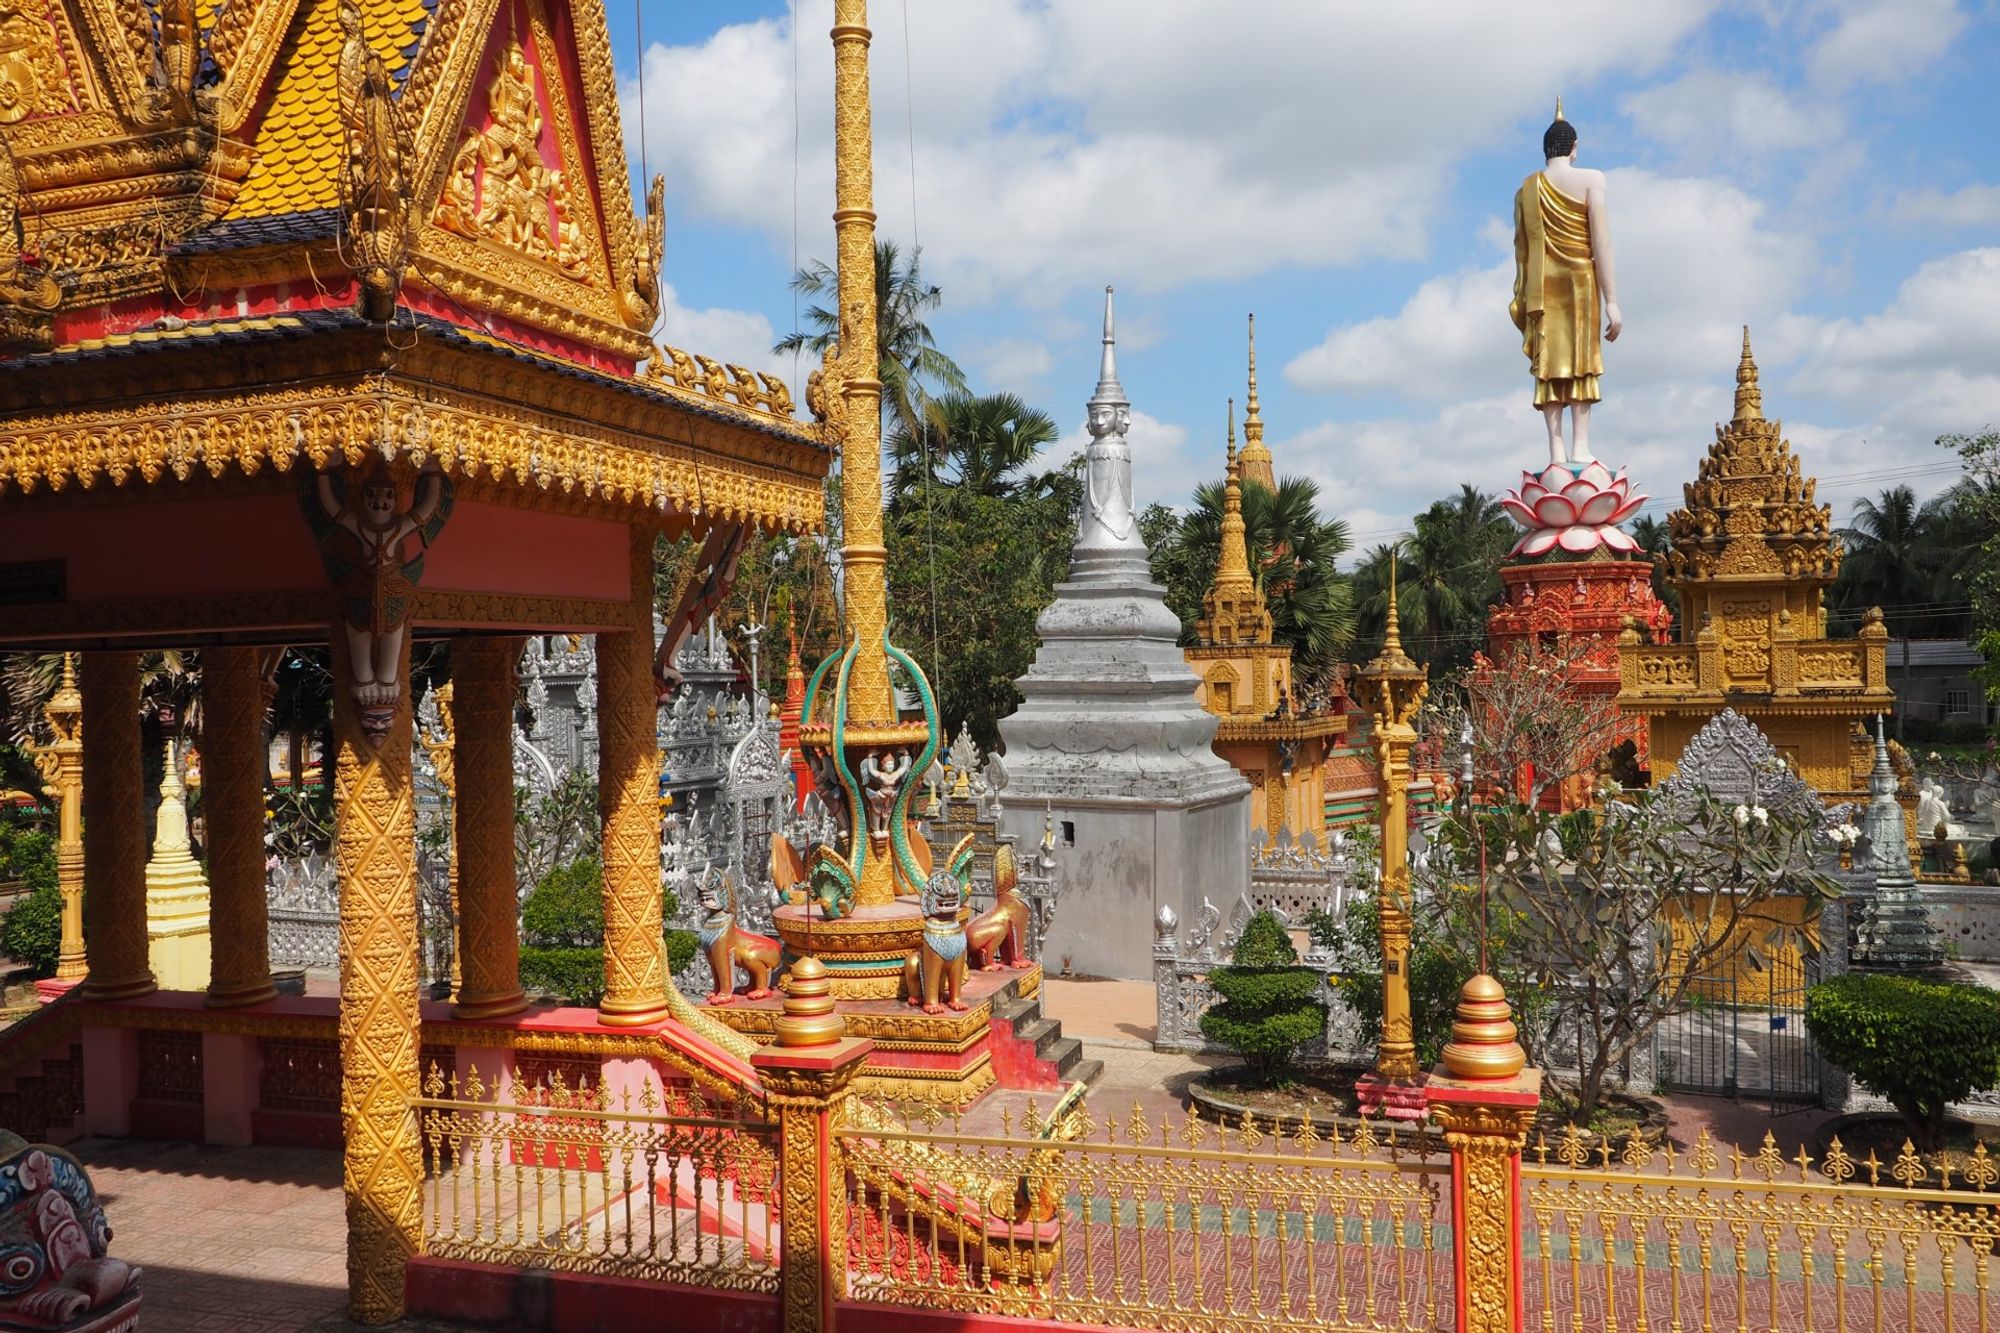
(1823, 170)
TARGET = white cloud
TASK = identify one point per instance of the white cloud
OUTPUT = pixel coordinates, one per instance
(733, 337)
(1059, 145)
(1694, 260)
(1879, 41)
(1927, 363)
(1973, 206)
(1716, 113)
(1013, 365)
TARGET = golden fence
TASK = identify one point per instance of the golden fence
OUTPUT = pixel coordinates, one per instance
(1648, 1238)
(1141, 1224)
(664, 1185)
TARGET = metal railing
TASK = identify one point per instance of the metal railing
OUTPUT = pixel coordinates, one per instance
(1137, 1223)
(661, 1185)
(1655, 1238)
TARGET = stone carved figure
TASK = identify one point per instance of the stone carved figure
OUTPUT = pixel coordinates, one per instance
(729, 946)
(881, 778)
(1563, 283)
(1933, 815)
(934, 974)
(1108, 517)
(54, 1271)
(998, 936)
(363, 535)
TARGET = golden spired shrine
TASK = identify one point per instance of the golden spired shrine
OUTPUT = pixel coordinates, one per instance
(1752, 556)
(1278, 745)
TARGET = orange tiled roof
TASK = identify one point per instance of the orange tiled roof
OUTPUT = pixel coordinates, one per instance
(296, 157)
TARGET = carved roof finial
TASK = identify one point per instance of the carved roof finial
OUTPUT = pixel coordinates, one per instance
(1749, 398)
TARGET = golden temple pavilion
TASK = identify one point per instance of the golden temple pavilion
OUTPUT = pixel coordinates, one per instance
(1753, 553)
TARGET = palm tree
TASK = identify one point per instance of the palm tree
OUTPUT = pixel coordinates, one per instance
(975, 444)
(1447, 575)
(1295, 553)
(910, 359)
(1892, 562)
(1654, 539)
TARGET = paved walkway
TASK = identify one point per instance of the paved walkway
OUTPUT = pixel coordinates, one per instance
(232, 1240)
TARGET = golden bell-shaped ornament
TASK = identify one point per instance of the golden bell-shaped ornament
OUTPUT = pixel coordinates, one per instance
(809, 1018)
(1483, 1044)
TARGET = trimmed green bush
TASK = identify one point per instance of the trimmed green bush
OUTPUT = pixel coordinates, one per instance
(681, 948)
(1919, 1044)
(31, 932)
(1269, 1004)
(566, 909)
(572, 975)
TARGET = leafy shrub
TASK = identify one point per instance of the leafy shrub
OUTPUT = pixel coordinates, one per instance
(681, 949)
(574, 975)
(1917, 1043)
(1269, 1004)
(31, 932)
(566, 908)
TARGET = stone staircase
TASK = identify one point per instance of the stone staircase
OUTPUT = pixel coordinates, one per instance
(1045, 1035)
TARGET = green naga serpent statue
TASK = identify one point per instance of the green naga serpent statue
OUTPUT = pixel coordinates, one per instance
(832, 877)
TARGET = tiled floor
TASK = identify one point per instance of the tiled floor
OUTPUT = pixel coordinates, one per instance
(232, 1240)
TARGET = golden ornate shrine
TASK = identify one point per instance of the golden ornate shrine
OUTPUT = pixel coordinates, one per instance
(1752, 556)
(1246, 679)
(326, 322)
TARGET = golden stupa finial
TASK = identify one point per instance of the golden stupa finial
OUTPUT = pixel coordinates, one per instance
(1484, 1044)
(1559, 106)
(1749, 398)
(1392, 636)
(1250, 404)
(1233, 563)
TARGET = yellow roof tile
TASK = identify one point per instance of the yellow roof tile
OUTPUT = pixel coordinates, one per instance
(296, 159)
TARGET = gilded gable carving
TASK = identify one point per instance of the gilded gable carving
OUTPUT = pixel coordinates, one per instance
(501, 187)
(34, 76)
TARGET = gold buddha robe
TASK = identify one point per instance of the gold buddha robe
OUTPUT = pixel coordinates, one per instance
(1555, 302)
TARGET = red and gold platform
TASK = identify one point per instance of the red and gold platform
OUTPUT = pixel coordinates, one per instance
(948, 1059)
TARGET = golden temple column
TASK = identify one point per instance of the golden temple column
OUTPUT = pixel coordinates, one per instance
(1393, 687)
(61, 764)
(376, 849)
(628, 796)
(114, 829)
(232, 737)
(482, 739)
(864, 559)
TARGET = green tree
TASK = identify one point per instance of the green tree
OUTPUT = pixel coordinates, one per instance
(1176, 565)
(1893, 561)
(31, 932)
(1447, 575)
(1295, 553)
(1654, 539)
(980, 444)
(969, 573)
(910, 360)
(1977, 530)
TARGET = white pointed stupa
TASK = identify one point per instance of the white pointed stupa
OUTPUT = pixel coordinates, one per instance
(1111, 739)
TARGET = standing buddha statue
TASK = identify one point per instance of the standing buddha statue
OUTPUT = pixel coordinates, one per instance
(1562, 275)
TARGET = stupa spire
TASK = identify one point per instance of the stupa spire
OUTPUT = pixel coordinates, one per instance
(1109, 390)
(1749, 398)
(1233, 609)
(1257, 461)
